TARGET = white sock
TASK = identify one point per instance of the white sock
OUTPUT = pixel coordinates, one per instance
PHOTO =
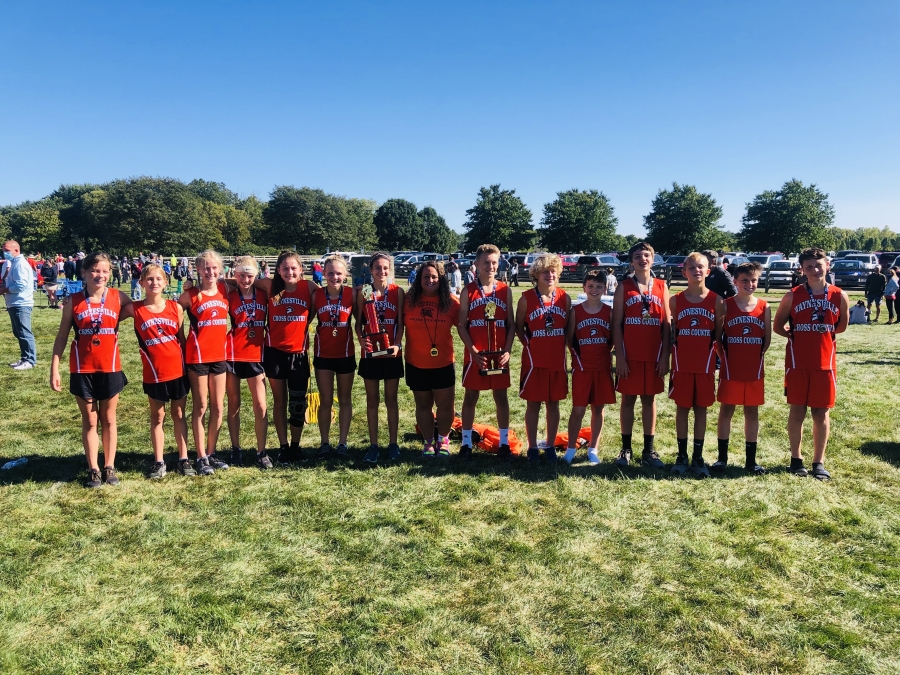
(504, 437)
(467, 437)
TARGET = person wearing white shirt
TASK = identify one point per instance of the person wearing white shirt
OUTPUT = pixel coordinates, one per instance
(18, 288)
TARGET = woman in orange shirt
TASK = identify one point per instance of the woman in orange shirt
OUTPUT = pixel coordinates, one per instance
(429, 316)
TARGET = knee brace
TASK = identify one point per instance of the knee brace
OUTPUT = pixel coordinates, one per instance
(296, 407)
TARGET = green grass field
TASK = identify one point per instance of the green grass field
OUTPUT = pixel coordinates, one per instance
(441, 567)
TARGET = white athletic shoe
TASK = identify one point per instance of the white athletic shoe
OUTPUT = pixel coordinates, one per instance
(13, 365)
(570, 455)
(24, 365)
(593, 457)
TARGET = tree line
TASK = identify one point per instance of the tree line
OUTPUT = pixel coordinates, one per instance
(168, 215)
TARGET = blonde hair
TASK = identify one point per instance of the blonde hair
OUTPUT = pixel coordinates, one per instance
(245, 261)
(153, 267)
(335, 260)
(208, 254)
(699, 257)
(544, 262)
(486, 249)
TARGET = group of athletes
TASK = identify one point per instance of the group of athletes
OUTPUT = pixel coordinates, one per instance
(255, 329)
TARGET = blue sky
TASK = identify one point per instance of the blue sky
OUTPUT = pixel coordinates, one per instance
(431, 101)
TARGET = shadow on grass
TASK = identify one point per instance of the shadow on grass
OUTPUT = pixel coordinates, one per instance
(886, 450)
(63, 469)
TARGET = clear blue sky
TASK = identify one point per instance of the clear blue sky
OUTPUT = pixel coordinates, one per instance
(430, 101)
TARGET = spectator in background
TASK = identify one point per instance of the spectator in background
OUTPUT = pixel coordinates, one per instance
(470, 275)
(719, 280)
(412, 277)
(454, 277)
(858, 313)
(135, 273)
(875, 284)
(78, 261)
(18, 288)
(514, 273)
(317, 273)
(69, 269)
(611, 282)
(890, 295)
(116, 269)
(50, 276)
(264, 270)
(502, 269)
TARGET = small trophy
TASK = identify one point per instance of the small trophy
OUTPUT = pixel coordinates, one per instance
(372, 329)
(492, 355)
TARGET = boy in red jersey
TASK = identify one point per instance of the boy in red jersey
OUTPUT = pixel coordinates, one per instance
(485, 295)
(590, 340)
(542, 315)
(641, 336)
(809, 316)
(746, 335)
(697, 315)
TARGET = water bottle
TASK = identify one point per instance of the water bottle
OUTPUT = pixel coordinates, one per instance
(13, 464)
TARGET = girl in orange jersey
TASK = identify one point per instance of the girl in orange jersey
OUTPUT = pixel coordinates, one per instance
(387, 299)
(158, 326)
(542, 315)
(96, 376)
(334, 358)
(429, 316)
(207, 312)
(247, 307)
(284, 355)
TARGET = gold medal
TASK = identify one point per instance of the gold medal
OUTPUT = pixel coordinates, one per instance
(96, 343)
(251, 334)
(490, 309)
(434, 351)
(334, 332)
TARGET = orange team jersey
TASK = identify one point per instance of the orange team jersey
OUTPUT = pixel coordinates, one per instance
(333, 317)
(157, 335)
(478, 325)
(95, 347)
(426, 327)
(593, 340)
(742, 342)
(545, 328)
(812, 344)
(387, 308)
(695, 334)
(288, 320)
(208, 316)
(642, 320)
(248, 326)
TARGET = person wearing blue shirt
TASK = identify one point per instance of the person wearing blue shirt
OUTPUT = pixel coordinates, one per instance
(18, 287)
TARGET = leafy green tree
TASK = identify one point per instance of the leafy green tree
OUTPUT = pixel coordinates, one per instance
(398, 227)
(438, 236)
(501, 218)
(579, 220)
(213, 192)
(789, 220)
(682, 220)
(37, 228)
(359, 233)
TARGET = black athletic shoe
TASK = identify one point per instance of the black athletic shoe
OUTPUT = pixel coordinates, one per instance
(204, 468)
(718, 468)
(550, 454)
(465, 452)
(504, 452)
(797, 468)
(534, 455)
(819, 472)
(754, 469)
(624, 458)
(393, 452)
(263, 461)
(324, 452)
(236, 457)
(157, 471)
(93, 479)
(342, 452)
(109, 475)
(216, 463)
(185, 468)
(372, 454)
(285, 455)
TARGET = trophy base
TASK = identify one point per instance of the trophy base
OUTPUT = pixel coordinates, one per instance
(493, 371)
(375, 355)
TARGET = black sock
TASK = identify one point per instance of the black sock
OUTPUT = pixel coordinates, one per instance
(751, 453)
(796, 462)
(626, 441)
(648, 442)
(723, 450)
(682, 447)
(698, 448)
(295, 445)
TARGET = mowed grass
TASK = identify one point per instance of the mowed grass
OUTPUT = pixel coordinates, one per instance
(444, 567)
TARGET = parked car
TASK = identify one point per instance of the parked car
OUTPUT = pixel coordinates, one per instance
(525, 261)
(849, 273)
(765, 259)
(782, 273)
(844, 254)
(734, 262)
(658, 269)
(868, 259)
(603, 261)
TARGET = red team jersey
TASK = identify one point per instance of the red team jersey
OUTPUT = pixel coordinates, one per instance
(331, 316)
(742, 342)
(157, 336)
(545, 326)
(593, 340)
(695, 330)
(386, 308)
(642, 321)
(95, 322)
(288, 320)
(478, 332)
(208, 316)
(248, 315)
(812, 345)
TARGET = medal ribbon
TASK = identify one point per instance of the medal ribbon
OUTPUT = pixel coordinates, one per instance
(818, 305)
(96, 322)
(431, 337)
(548, 317)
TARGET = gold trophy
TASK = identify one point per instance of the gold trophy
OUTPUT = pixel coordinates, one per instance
(492, 355)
